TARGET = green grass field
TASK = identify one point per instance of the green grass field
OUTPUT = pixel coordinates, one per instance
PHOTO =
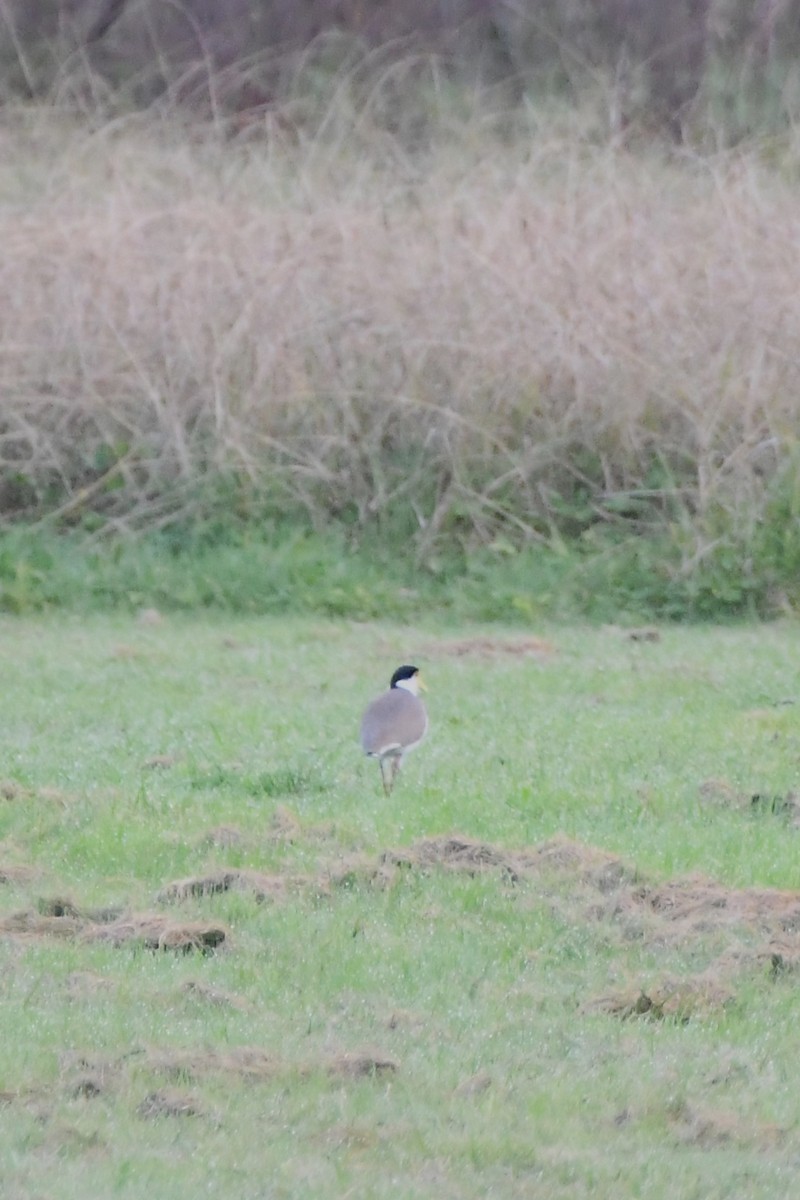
(550, 965)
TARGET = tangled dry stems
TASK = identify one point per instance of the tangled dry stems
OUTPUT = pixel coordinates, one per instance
(495, 337)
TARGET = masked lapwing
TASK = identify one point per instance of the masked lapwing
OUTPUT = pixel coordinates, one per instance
(394, 723)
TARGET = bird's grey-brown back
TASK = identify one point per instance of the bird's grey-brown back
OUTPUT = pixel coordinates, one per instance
(393, 723)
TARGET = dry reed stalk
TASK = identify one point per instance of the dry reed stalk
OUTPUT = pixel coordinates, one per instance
(480, 341)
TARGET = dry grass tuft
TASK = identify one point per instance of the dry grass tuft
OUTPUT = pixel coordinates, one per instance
(478, 342)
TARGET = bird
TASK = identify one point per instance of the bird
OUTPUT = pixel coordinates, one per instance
(394, 723)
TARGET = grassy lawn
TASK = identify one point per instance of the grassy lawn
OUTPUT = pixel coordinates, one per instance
(549, 965)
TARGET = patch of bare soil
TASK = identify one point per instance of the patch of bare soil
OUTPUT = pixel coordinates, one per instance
(491, 647)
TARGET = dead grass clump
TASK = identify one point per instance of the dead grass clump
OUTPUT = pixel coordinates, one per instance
(454, 853)
(709, 1128)
(225, 837)
(92, 1074)
(251, 1062)
(216, 997)
(679, 999)
(62, 906)
(87, 983)
(169, 1102)
(722, 793)
(27, 924)
(491, 647)
(604, 872)
(284, 825)
(646, 633)
(557, 858)
(359, 1066)
(247, 1062)
(261, 886)
(151, 930)
(11, 790)
(689, 908)
(156, 932)
(161, 762)
(15, 875)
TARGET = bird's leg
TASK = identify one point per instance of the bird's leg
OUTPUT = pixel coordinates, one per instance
(395, 768)
(387, 783)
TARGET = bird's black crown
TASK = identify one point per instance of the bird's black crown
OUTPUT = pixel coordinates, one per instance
(405, 672)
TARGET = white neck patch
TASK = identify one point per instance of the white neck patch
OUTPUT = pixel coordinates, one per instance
(409, 685)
